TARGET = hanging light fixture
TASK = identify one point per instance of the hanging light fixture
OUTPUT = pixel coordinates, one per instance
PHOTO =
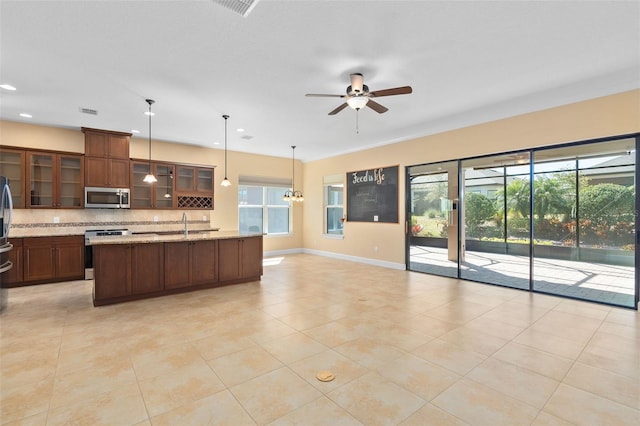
(150, 178)
(225, 181)
(292, 194)
(169, 175)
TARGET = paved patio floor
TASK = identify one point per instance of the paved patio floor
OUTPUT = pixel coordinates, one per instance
(590, 281)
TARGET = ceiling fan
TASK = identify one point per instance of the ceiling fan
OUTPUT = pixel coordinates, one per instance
(358, 95)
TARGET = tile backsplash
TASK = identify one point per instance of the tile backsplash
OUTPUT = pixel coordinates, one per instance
(42, 222)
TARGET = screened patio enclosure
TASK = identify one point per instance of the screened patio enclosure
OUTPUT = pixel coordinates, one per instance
(559, 220)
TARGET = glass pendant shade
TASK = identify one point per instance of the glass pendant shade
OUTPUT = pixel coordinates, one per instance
(357, 102)
(150, 178)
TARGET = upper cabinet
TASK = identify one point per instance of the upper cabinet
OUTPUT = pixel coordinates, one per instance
(159, 195)
(194, 187)
(55, 180)
(12, 167)
(106, 158)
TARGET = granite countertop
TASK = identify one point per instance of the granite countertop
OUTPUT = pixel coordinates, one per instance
(158, 238)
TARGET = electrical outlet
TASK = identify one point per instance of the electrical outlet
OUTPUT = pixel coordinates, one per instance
(56, 219)
(204, 218)
(375, 218)
(155, 218)
(375, 249)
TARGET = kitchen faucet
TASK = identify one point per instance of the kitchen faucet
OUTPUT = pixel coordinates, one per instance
(184, 220)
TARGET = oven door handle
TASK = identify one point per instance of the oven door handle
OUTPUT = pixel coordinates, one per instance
(6, 266)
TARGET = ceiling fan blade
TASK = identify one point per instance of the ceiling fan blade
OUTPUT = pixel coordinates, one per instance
(337, 110)
(319, 95)
(377, 107)
(404, 90)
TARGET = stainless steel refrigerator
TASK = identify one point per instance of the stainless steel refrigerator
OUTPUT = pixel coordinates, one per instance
(6, 211)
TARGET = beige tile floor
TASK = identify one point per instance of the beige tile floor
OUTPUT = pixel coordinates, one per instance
(406, 348)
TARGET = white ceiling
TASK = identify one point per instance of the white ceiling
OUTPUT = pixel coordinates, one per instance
(467, 61)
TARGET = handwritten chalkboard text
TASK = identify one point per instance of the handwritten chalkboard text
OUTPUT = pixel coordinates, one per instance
(376, 176)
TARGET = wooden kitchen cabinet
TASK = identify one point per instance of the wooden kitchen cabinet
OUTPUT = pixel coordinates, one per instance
(106, 158)
(55, 180)
(189, 263)
(194, 180)
(106, 144)
(52, 259)
(107, 173)
(159, 195)
(14, 277)
(240, 258)
(123, 270)
(12, 166)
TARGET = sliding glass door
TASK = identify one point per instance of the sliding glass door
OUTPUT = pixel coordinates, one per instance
(496, 208)
(584, 221)
(559, 220)
(433, 219)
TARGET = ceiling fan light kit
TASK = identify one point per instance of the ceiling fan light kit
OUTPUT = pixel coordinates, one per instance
(359, 96)
(357, 102)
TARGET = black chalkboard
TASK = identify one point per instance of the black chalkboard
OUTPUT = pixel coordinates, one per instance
(372, 195)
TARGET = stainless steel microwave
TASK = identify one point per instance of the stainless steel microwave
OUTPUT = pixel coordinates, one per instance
(106, 198)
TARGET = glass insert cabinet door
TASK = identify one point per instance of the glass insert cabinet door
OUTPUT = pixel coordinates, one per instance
(12, 167)
(71, 182)
(55, 180)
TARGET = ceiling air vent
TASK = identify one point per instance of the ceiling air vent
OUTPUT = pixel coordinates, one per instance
(246, 137)
(89, 111)
(242, 7)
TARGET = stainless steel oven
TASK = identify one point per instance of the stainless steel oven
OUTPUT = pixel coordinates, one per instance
(88, 250)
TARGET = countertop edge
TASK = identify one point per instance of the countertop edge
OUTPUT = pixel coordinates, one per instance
(155, 238)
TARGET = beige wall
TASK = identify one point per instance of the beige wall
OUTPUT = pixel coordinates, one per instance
(601, 117)
(379, 242)
(225, 212)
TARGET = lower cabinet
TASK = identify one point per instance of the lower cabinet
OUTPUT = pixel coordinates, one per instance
(190, 263)
(123, 270)
(14, 276)
(240, 258)
(51, 259)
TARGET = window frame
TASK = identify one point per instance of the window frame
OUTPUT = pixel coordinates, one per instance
(265, 207)
(327, 185)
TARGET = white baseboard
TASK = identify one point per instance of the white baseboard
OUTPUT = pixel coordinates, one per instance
(383, 263)
(282, 252)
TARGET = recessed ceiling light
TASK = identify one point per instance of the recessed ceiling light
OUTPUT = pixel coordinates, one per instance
(25, 115)
(149, 113)
(240, 130)
(216, 143)
(135, 131)
(7, 87)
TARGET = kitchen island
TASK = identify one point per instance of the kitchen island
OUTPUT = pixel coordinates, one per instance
(140, 266)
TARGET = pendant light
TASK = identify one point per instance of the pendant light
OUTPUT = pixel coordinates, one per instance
(167, 194)
(225, 181)
(292, 194)
(150, 178)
